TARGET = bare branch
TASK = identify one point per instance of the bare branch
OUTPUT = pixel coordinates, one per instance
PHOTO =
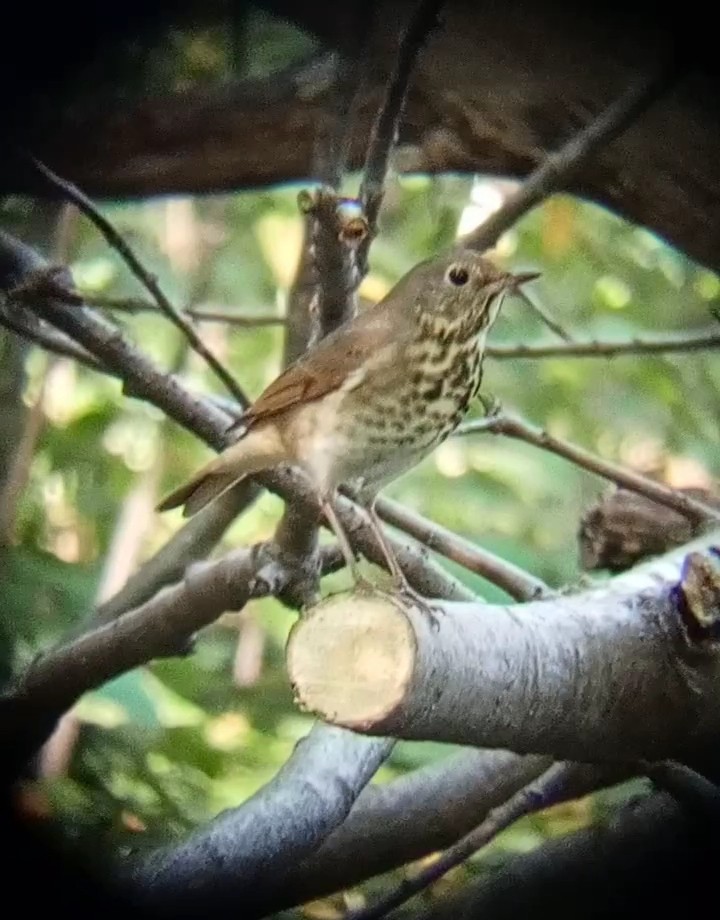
(512, 579)
(548, 789)
(203, 314)
(285, 821)
(671, 498)
(160, 627)
(543, 315)
(157, 628)
(611, 673)
(557, 168)
(405, 819)
(108, 345)
(334, 228)
(192, 542)
(383, 137)
(46, 337)
(389, 825)
(703, 340)
(116, 241)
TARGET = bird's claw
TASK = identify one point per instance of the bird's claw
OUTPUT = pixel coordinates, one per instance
(421, 603)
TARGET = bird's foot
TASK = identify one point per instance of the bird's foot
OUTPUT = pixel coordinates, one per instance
(407, 592)
(362, 584)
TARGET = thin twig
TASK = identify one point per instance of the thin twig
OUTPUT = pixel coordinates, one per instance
(706, 339)
(383, 136)
(554, 171)
(544, 316)
(664, 495)
(199, 314)
(547, 789)
(687, 786)
(204, 315)
(116, 241)
(518, 583)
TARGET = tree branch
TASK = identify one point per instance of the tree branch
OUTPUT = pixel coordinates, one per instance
(704, 340)
(73, 194)
(193, 541)
(671, 498)
(156, 629)
(396, 822)
(619, 672)
(285, 821)
(384, 133)
(556, 169)
(208, 138)
(46, 337)
(19, 263)
(516, 582)
(547, 789)
(204, 314)
(652, 849)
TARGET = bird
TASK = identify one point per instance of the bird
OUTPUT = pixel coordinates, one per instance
(373, 398)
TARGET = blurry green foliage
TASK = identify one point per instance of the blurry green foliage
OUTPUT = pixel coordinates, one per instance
(166, 747)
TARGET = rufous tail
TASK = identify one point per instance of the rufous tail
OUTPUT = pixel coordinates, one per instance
(260, 449)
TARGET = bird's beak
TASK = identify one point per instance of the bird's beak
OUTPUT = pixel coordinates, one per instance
(514, 282)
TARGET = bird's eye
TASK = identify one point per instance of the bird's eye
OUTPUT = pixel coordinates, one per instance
(458, 275)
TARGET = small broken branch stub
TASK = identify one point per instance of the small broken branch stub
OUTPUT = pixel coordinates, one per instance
(698, 593)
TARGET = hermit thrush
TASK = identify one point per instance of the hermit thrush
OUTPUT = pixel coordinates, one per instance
(374, 397)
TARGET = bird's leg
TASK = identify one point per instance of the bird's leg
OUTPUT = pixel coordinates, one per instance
(402, 585)
(337, 528)
(401, 582)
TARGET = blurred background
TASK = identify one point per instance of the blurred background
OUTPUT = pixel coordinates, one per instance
(164, 748)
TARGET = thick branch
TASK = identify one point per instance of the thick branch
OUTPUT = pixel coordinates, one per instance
(285, 821)
(609, 673)
(394, 823)
(157, 628)
(457, 119)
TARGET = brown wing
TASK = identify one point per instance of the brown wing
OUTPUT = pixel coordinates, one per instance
(326, 366)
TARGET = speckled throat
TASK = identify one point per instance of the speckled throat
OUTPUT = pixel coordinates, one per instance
(400, 416)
